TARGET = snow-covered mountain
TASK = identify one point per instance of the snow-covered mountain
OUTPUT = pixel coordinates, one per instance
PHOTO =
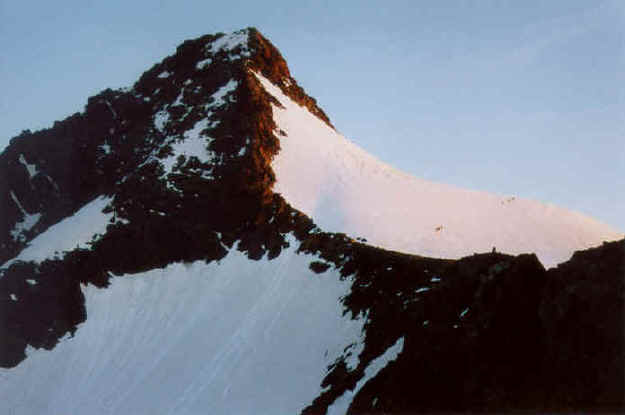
(344, 189)
(205, 241)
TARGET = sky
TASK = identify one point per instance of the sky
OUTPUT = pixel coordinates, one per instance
(523, 98)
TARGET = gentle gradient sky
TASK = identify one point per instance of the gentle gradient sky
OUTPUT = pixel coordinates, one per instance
(521, 98)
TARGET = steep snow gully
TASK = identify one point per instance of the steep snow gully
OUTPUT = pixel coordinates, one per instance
(278, 306)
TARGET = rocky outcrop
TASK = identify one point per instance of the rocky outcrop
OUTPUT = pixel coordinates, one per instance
(492, 333)
(269, 62)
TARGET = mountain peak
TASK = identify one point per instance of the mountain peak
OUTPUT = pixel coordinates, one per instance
(200, 113)
(223, 111)
(226, 218)
(221, 58)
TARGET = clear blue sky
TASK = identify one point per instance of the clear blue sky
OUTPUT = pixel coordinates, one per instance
(514, 97)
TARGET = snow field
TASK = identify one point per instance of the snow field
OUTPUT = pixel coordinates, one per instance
(239, 336)
(345, 189)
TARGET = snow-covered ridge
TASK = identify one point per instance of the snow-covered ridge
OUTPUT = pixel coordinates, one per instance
(345, 189)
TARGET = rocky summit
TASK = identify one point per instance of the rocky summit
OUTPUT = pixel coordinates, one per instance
(205, 241)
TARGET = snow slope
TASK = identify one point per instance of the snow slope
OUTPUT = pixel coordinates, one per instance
(344, 189)
(341, 405)
(27, 222)
(235, 337)
(72, 232)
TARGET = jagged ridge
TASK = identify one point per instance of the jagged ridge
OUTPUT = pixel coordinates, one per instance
(89, 153)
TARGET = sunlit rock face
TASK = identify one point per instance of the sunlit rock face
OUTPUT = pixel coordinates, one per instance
(206, 242)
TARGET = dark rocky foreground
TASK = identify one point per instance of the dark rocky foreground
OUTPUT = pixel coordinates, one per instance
(496, 334)
(486, 333)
